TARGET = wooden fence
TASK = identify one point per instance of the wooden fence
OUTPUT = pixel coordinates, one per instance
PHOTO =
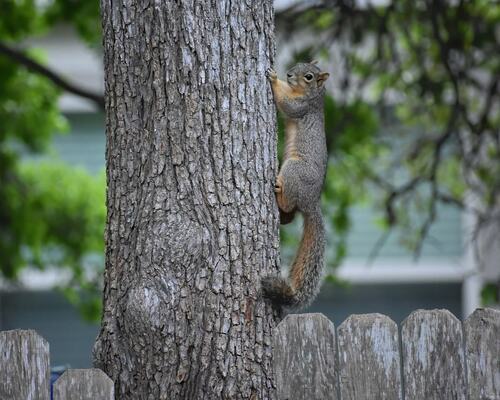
(433, 357)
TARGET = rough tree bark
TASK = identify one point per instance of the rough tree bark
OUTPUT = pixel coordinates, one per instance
(192, 222)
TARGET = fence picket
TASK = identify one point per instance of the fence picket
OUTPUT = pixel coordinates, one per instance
(84, 384)
(433, 356)
(482, 350)
(24, 366)
(369, 361)
(304, 358)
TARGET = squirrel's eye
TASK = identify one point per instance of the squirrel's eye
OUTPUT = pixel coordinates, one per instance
(308, 77)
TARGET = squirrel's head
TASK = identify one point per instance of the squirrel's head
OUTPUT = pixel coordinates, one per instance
(308, 77)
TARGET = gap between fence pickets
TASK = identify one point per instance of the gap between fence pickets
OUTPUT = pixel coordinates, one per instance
(440, 358)
(433, 356)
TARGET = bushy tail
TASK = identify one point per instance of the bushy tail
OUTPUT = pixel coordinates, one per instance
(303, 284)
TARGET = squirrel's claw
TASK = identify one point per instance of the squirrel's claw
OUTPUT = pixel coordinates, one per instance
(271, 74)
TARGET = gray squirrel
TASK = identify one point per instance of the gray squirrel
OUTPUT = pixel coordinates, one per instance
(300, 180)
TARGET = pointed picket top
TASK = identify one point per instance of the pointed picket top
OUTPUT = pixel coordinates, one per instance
(84, 384)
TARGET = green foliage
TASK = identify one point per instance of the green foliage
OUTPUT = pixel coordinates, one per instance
(24, 128)
(19, 18)
(83, 15)
(56, 220)
(22, 99)
(62, 215)
(62, 209)
(23, 18)
(490, 295)
(50, 215)
(430, 71)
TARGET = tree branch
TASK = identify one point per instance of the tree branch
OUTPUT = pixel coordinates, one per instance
(20, 58)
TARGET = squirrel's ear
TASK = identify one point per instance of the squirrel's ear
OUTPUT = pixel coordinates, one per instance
(313, 62)
(322, 77)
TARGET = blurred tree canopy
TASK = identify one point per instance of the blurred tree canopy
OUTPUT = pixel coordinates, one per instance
(51, 215)
(430, 69)
(426, 71)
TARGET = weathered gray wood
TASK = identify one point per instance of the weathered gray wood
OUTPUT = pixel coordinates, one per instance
(369, 360)
(482, 350)
(304, 357)
(84, 384)
(24, 366)
(433, 356)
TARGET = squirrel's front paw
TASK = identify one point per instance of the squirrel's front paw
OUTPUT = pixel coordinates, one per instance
(271, 74)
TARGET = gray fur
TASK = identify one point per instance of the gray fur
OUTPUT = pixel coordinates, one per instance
(303, 179)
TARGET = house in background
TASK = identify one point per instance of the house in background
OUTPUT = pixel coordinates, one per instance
(394, 284)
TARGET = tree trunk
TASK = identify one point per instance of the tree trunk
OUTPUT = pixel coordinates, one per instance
(192, 223)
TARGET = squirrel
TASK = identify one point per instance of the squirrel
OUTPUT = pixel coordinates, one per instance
(300, 180)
